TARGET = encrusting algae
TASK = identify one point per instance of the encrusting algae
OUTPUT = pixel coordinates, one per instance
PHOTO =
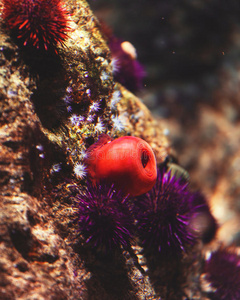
(55, 105)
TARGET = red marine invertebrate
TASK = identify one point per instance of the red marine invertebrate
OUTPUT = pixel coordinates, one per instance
(128, 162)
(42, 24)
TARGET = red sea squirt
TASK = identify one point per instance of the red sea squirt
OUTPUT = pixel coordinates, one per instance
(128, 162)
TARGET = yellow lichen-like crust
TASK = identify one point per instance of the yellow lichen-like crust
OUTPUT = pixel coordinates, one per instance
(42, 251)
(142, 124)
(87, 66)
(86, 61)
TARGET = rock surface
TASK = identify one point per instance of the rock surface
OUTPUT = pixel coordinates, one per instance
(42, 254)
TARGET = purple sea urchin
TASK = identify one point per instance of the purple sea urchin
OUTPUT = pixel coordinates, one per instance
(223, 273)
(129, 72)
(42, 24)
(126, 68)
(104, 218)
(163, 216)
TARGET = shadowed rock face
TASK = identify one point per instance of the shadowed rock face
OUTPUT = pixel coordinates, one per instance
(47, 120)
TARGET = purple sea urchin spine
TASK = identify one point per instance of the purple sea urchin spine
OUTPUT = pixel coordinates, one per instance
(41, 24)
(125, 67)
(163, 216)
(104, 218)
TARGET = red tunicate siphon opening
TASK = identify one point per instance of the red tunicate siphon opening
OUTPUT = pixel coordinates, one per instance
(144, 158)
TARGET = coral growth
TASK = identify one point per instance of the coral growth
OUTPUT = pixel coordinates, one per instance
(128, 162)
(41, 24)
(104, 218)
(223, 273)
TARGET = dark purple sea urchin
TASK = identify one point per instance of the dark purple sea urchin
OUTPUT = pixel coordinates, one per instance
(127, 70)
(41, 24)
(104, 218)
(223, 273)
(163, 216)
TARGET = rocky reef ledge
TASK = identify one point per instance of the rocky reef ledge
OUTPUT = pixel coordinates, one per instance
(53, 107)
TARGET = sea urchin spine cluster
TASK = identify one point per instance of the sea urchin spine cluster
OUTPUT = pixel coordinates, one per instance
(162, 217)
(222, 272)
(165, 215)
(104, 218)
(40, 24)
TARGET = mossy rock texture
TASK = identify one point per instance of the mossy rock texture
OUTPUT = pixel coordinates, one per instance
(41, 95)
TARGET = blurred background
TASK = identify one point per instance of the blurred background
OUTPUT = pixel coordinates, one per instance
(190, 50)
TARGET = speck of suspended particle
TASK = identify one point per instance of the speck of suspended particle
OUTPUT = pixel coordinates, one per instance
(40, 148)
(41, 24)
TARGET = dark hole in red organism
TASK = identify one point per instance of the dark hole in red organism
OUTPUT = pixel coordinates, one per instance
(144, 158)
